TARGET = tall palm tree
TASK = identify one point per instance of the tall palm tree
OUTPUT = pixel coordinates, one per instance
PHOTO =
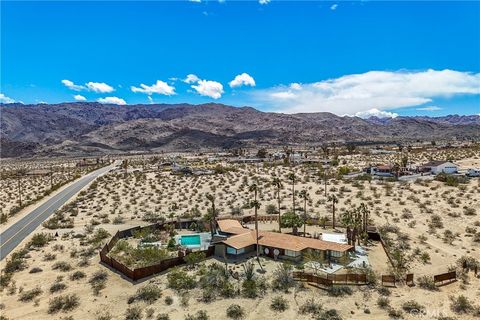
(278, 184)
(255, 204)
(304, 195)
(333, 198)
(292, 177)
(213, 213)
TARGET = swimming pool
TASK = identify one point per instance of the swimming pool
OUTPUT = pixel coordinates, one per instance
(190, 240)
(194, 241)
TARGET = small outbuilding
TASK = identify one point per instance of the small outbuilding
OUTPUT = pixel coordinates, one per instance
(436, 167)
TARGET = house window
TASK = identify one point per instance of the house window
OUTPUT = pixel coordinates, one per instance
(335, 254)
(291, 253)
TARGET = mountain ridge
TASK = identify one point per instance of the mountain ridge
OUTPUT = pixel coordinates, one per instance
(81, 128)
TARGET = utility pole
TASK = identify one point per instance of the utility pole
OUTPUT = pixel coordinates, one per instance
(19, 189)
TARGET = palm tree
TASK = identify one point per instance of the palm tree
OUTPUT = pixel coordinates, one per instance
(333, 198)
(213, 213)
(291, 177)
(278, 184)
(255, 204)
(304, 196)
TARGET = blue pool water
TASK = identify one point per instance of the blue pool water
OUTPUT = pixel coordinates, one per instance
(190, 240)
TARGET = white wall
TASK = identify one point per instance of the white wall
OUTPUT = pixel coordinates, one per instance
(446, 167)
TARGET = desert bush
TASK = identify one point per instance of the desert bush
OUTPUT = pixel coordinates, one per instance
(163, 316)
(39, 240)
(63, 303)
(461, 305)
(412, 306)
(279, 304)
(339, 291)
(383, 302)
(98, 281)
(149, 294)
(77, 275)
(310, 307)
(133, 313)
(62, 266)
(427, 283)
(200, 315)
(57, 286)
(168, 300)
(282, 278)
(180, 280)
(29, 295)
(235, 312)
(35, 270)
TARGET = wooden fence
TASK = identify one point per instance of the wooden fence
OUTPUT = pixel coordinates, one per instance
(448, 276)
(331, 279)
(140, 273)
(388, 280)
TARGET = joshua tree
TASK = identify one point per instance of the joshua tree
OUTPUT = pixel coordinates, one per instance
(278, 184)
(213, 213)
(292, 177)
(255, 204)
(333, 198)
(304, 195)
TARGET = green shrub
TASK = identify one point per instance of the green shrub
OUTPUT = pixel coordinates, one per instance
(339, 291)
(62, 266)
(29, 295)
(235, 312)
(77, 275)
(168, 300)
(279, 304)
(310, 307)
(412, 305)
(98, 281)
(149, 294)
(427, 283)
(133, 313)
(63, 303)
(57, 286)
(180, 280)
(163, 316)
(383, 302)
(39, 240)
(461, 304)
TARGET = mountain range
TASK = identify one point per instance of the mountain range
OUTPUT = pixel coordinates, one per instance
(85, 128)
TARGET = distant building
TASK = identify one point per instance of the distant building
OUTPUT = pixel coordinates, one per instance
(382, 170)
(436, 167)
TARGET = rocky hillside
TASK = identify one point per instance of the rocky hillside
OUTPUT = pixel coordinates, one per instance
(93, 128)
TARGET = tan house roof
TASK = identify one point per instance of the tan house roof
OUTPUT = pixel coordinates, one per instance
(231, 226)
(283, 241)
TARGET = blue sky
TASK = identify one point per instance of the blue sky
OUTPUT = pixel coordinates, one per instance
(361, 58)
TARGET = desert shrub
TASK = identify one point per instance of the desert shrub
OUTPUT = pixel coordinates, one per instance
(29, 295)
(235, 312)
(282, 278)
(77, 275)
(62, 266)
(383, 302)
(98, 281)
(63, 303)
(194, 258)
(163, 316)
(104, 315)
(339, 291)
(39, 240)
(310, 307)
(412, 306)
(16, 262)
(180, 280)
(200, 315)
(133, 313)
(279, 304)
(427, 283)
(461, 304)
(330, 314)
(149, 294)
(99, 235)
(35, 270)
(168, 300)
(395, 314)
(384, 291)
(57, 286)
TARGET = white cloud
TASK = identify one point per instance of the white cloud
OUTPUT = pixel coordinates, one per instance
(429, 108)
(79, 97)
(5, 99)
(295, 86)
(334, 6)
(159, 87)
(243, 79)
(382, 90)
(99, 87)
(376, 113)
(209, 88)
(264, 1)
(112, 100)
(72, 86)
(191, 78)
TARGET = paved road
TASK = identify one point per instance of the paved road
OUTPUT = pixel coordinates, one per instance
(14, 235)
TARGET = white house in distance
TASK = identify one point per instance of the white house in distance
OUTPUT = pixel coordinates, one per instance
(437, 167)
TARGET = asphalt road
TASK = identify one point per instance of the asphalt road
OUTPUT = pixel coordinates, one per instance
(13, 236)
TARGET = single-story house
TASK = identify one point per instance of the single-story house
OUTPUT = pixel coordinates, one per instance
(239, 240)
(437, 167)
(383, 170)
